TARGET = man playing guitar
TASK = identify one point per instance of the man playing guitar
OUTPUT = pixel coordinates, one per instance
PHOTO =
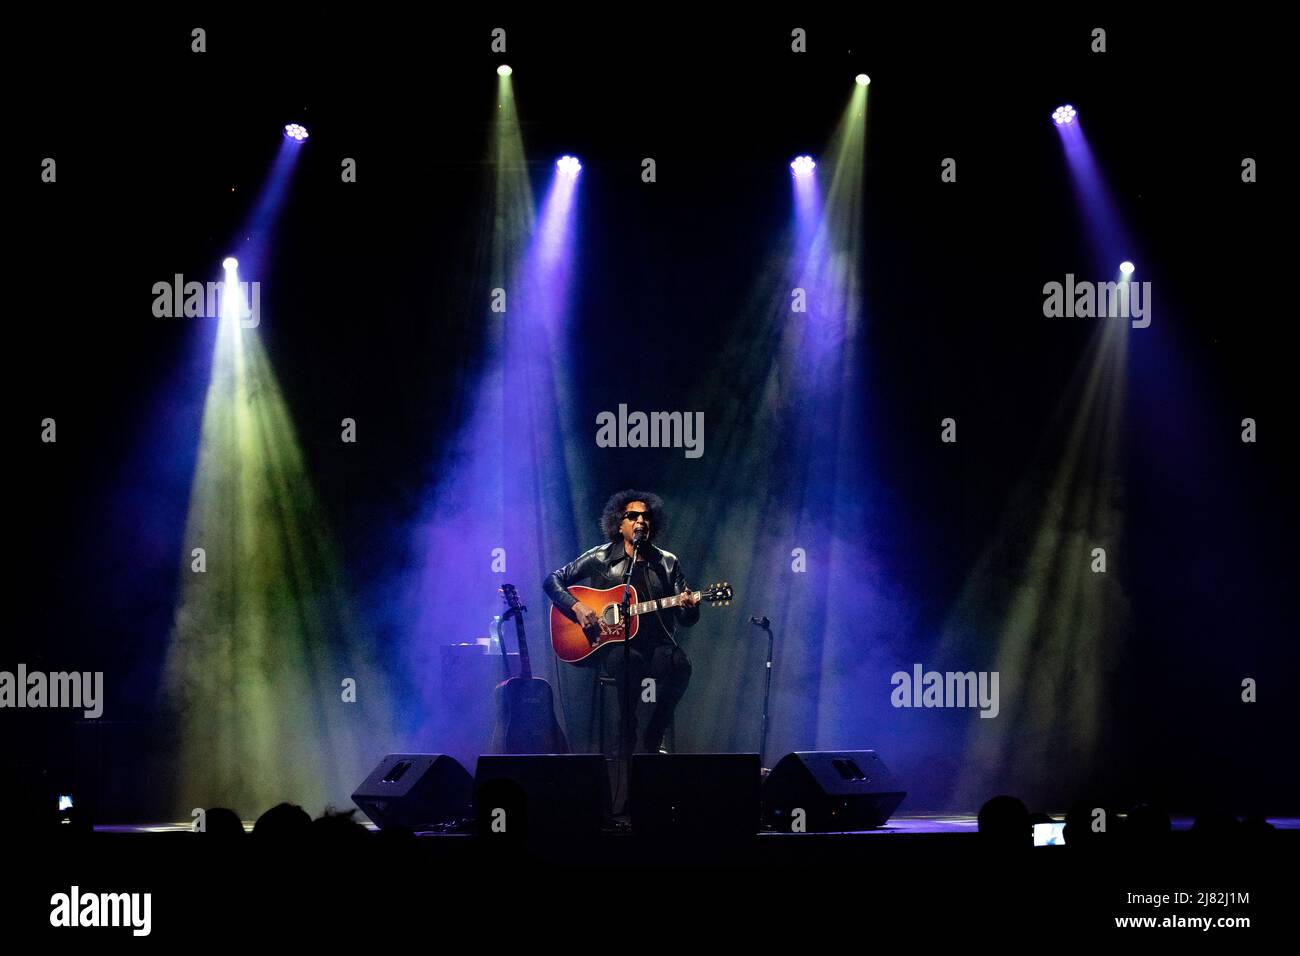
(630, 516)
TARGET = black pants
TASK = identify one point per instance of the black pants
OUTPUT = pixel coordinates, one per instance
(669, 667)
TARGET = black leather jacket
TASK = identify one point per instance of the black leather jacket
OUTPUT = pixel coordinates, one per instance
(604, 566)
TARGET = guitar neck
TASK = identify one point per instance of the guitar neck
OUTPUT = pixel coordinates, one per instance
(661, 604)
(525, 666)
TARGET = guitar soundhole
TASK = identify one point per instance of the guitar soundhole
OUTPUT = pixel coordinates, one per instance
(610, 619)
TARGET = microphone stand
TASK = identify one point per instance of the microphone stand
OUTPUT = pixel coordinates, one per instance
(628, 706)
(766, 625)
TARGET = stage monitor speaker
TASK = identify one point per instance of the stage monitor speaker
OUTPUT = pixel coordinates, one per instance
(419, 791)
(542, 795)
(700, 796)
(837, 790)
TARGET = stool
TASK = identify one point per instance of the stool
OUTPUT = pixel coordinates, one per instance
(598, 714)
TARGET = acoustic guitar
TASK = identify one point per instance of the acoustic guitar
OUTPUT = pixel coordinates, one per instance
(526, 721)
(572, 644)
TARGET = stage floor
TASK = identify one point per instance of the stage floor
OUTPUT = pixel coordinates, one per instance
(903, 824)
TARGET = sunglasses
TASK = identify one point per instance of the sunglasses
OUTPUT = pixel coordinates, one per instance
(633, 515)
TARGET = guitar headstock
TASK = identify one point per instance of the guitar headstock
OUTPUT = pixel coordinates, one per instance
(719, 595)
(511, 597)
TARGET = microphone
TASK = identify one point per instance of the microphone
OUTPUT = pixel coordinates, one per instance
(760, 621)
(638, 537)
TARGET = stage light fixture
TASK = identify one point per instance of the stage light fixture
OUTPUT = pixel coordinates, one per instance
(803, 165)
(504, 70)
(1126, 267)
(1064, 115)
(230, 263)
(862, 79)
(296, 132)
(568, 165)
